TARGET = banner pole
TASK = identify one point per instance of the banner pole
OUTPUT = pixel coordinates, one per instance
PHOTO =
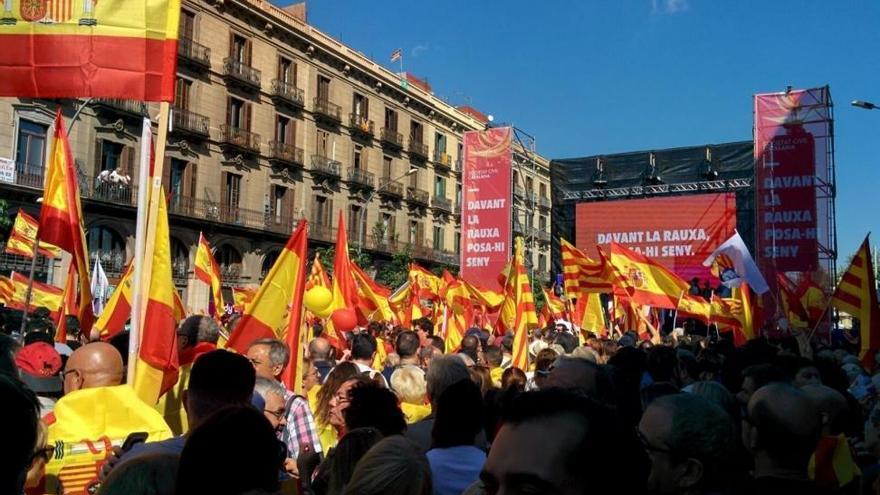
(30, 287)
(675, 316)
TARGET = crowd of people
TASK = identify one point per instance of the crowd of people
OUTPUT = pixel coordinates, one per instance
(396, 412)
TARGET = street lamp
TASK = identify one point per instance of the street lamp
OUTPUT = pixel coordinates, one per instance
(867, 105)
(363, 239)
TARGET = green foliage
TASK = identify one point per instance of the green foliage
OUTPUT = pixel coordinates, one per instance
(328, 254)
(5, 221)
(395, 273)
(438, 269)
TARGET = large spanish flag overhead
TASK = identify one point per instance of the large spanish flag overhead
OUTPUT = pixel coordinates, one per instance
(207, 270)
(80, 48)
(61, 219)
(266, 315)
(157, 363)
(646, 281)
(856, 294)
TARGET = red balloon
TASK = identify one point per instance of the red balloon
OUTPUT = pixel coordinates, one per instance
(344, 319)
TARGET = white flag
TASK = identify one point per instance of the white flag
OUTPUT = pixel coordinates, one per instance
(100, 285)
(744, 268)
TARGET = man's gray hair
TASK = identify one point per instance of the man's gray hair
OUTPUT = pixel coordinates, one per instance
(319, 349)
(264, 386)
(443, 372)
(209, 330)
(279, 354)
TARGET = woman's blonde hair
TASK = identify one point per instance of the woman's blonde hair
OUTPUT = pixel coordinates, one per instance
(394, 466)
(408, 382)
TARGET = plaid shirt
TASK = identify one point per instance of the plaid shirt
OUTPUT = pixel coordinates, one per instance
(301, 429)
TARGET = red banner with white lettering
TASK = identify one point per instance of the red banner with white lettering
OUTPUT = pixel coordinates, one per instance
(678, 232)
(486, 209)
(785, 160)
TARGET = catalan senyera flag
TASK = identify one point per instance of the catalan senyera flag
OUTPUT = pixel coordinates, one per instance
(68, 306)
(61, 219)
(207, 270)
(318, 275)
(458, 310)
(157, 363)
(267, 314)
(24, 234)
(581, 274)
(118, 308)
(646, 282)
(518, 309)
(856, 295)
(88, 48)
(42, 296)
(555, 306)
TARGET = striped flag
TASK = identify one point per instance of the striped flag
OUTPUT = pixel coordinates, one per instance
(458, 311)
(856, 294)
(372, 296)
(68, 305)
(318, 275)
(581, 274)
(646, 282)
(396, 54)
(518, 309)
(207, 270)
(6, 290)
(118, 308)
(22, 237)
(42, 296)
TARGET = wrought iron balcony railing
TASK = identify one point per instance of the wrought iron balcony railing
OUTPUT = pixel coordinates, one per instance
(241, 72)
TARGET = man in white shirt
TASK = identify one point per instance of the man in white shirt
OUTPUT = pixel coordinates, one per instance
(363, 350)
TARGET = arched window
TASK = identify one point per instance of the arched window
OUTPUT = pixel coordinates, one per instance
(107, 245)
(268, 261)
(229, 260)
(179, 259)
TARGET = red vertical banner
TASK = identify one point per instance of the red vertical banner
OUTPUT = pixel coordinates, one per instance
(486, 205)
(786, 180)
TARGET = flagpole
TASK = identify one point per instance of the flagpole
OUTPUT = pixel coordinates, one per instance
(30, 286)
(677, 304)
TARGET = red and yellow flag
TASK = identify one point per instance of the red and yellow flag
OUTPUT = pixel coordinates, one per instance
(318, 275)
(856, 294)
(646, 282)
(555, 306)
(518, 309)
(118, 308)
(157, 364)
(812, 298)
(581, 274)
(6, 290)
(207, 270)
(457, 311)
(271, 308)
(24, 234)
(42, 296)
(68, 306)
(691, 306)
(61, 220)
(372, 296)
(592, 315)
(296, 250)
(242, 297)
(72, 49)
(791, 303)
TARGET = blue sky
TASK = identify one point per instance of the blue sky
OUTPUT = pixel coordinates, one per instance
(603, 77)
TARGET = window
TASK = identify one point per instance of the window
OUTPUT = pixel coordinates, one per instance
(182, 93)
(229, 260)
(414, 180)
(112, 156)
(542, 222)
(387, 227)
(415, 228)
(180, 180)
(286, 71)
(543, 189)
(31, 151)
(285, 130)
(438, 238)
(323, 145)
(238, 113)
(416, 132)
(439, 143)
(281, 204)
(187, 27)
(542, 263)
(457, 246)
(458, 195)
(231, 193)
(268, 262)
(322, 209)
(439, 187)
(360, 106)
(390, 119)
(460, 151)
(240, 49)
(107, 245)
(355, 219)
(179, 259)
(386, 167)
(516, 179)
(323, 88)
(530, 185)
(360, 158)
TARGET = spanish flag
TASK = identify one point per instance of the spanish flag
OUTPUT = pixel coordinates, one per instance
(266, 315)
(296, 251)
(68, 305)
(372, 296)
(592, 315)
(24, 234)
(207, 270)
(691, 306)
(581, 274)
(458, 310)
(42, 296)
(86, 48)
(856, 294)
(518, 309)
(645, 281)
(61, 220)
(242, 297)
(117, 311)
(6, 290)
(554, 306)
(157, 364)
(344, 286)
(429, 284)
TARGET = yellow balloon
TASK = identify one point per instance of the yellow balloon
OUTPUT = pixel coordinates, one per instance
(325, 313)
(317, 300)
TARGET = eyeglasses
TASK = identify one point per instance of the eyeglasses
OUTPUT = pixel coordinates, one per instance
(46, 453)
(649, 447)
(279, 414)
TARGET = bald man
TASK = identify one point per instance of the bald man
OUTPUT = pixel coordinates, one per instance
(781, 428)
(95, 413)
(320, 352)
(834, 410)
(832, 406)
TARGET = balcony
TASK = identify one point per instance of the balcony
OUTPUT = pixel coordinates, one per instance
(442, 161)
(327, 167)
(231, 215)
(519, 228)
(544, 202)
(458, 165)
(187, 122)
(360, 177)
(519, 192)
(417, 197)
(240, 138)
(542, 236)
(98, 189)
(446, 257)
(286, 93)
(112, 261)
(180, 270)
(21, 264)
(321, 232)
(361, 126)
(230, 273)
(418, 149)
(286, 154)
(238, 72)
(422, 251)
(391, 138)
(327, 110)
(390, 188)
(195, 53)
(441, 203)
(386, 244)
(130, 107)
(28, 175)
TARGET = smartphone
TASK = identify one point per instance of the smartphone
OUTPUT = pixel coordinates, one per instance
(134, 439)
